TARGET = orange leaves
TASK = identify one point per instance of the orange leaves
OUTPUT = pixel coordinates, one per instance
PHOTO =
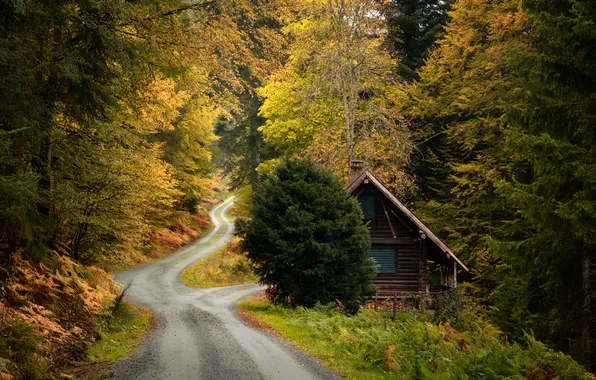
(450, 336)
(389, 359)
(50, 299)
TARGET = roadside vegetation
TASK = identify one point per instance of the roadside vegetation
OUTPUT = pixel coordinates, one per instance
(52, 311)
(413, 346)
(226, 267)
(49, 314)
(120, 331)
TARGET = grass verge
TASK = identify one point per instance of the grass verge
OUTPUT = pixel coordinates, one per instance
(225, 267)
(120, 332)
(371, 346)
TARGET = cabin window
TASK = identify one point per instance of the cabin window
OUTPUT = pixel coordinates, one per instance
(384, 258)
(367, 204)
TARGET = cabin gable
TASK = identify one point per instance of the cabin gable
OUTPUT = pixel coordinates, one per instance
(401, 245)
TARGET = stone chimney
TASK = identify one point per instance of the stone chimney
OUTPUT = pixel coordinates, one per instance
(355, 170)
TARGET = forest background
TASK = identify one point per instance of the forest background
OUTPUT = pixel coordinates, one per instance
(478, 113)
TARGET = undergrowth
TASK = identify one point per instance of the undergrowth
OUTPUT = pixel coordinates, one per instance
(226, 267)
(372, 346)
(121, 331)
(20, 352)
(48, 313)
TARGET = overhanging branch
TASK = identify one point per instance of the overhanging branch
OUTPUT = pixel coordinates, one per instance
(190, 6)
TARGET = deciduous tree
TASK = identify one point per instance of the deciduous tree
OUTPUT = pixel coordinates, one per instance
(333, 100)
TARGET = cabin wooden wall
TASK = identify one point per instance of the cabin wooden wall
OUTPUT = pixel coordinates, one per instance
(390, 231)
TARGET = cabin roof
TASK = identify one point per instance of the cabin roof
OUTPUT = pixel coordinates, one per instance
(407, 212)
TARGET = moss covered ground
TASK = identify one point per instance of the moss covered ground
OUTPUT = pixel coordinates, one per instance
(121, 332)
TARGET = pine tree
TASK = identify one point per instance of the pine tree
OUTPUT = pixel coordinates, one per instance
(554, 133)
(307, 240)
(457, 122)
(413, 28)
(506, 158)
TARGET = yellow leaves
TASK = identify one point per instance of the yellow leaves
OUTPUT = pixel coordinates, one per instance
(312, 105)
(293, 120)
(158, 107)
(268, 167)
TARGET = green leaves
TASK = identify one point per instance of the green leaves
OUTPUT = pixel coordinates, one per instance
(506, 115)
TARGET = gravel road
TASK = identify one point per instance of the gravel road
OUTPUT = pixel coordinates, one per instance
(198, 335)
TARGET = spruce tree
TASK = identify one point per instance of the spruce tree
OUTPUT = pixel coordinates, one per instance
(413, 28)
(554, 132)
(307, 240)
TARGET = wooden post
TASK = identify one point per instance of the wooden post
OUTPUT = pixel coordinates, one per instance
(422, 269)
(389, 221)
(376, 297)
(394, 306)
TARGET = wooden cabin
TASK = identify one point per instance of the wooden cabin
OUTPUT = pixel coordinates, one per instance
(410, 258)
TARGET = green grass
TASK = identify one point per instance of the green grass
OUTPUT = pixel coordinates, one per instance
(121, 332)
(226, 267)
(316, 342)
(371, 346)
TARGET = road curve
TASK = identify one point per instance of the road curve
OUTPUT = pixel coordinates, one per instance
(198, 336)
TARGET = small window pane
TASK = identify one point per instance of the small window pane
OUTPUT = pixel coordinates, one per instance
(385, 259)
(367, 204)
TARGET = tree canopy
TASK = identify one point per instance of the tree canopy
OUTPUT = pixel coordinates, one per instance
(334, 99)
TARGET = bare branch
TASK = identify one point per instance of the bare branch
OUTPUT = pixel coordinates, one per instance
(191, 6)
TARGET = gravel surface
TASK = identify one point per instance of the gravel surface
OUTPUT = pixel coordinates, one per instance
(198, 335)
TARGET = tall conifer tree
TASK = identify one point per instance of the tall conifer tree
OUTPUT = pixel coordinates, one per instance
(555, 135)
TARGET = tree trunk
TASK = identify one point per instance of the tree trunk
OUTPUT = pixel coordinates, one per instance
(78, 239)
(587, 307)
(44, 168)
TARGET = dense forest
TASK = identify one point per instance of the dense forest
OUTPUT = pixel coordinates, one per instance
(116, 116)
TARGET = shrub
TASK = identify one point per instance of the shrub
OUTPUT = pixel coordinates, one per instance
(307, 240)
(19, 350)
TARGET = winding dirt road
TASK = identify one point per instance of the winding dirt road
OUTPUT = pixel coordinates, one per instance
(198, 335)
